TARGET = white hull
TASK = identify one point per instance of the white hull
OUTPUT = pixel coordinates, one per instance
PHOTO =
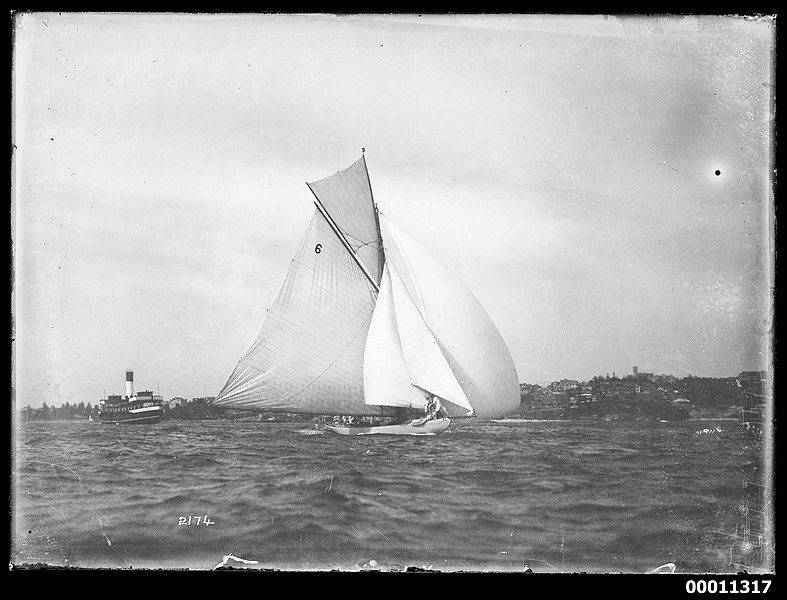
(433, 427)
(131, 412)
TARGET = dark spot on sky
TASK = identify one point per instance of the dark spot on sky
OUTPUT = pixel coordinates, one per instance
(718, 172)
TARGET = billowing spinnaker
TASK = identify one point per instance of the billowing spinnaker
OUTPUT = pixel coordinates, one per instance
(386, 379)
(469, 340)
(307, 356)
(347, 198)
(425, 361)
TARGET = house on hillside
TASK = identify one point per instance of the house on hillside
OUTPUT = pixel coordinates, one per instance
(177, 401)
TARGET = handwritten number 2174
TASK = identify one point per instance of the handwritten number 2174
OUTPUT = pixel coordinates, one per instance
(195, 521)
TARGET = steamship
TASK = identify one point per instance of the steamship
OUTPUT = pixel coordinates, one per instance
(139, 407)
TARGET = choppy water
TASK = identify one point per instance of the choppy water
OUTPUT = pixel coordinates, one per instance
(557, 496)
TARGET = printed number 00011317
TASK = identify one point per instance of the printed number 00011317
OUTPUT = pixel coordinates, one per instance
(734, 586)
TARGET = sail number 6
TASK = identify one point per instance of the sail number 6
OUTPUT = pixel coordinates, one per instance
(318, 248)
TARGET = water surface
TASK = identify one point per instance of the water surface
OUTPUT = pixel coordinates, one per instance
(557, 496)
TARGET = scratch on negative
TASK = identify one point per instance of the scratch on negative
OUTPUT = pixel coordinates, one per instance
(40, 462)
(230, 556)
(101, 527)
(382, 534)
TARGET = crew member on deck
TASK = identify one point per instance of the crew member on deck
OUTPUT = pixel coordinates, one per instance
(436, 407)
(433, 408)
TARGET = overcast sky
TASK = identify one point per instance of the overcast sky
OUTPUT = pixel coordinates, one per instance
(601, 184)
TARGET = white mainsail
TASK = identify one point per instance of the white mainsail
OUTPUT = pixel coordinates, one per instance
(307, 355)
(386, 377)
(467, 337)
(352, 332)
(426, 363)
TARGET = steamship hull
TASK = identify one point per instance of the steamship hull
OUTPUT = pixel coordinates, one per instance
(142, 407)
(128, 413)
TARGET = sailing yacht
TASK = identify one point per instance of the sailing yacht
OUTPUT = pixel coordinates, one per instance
(369, 324)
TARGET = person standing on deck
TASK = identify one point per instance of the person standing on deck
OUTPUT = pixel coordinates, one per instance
(433, 408)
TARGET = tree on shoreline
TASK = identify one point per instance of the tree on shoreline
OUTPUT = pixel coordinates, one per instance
(67, 412)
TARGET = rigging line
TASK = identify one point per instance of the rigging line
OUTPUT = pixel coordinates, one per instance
(361, 243)
(344, 241)
(376, 215)
(355, 239)
(379, 236)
